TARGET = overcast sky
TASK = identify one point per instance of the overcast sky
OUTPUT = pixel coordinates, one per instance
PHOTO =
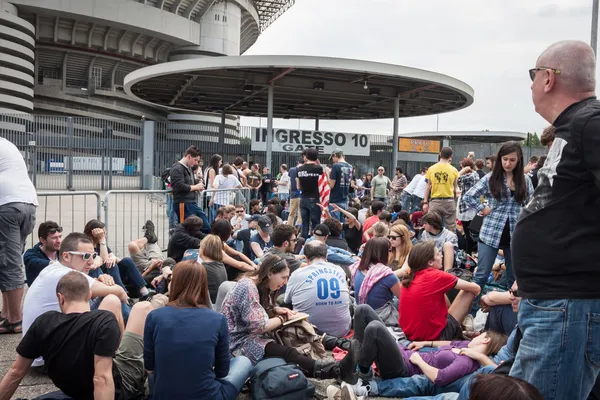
(488, 45)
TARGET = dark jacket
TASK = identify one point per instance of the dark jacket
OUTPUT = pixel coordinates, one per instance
(35, 261)
(181, 181)
(180, 241)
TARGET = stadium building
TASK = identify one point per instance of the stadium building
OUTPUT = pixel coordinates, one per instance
(69, 58)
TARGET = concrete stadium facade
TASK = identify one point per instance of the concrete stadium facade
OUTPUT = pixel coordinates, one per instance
(70, 58)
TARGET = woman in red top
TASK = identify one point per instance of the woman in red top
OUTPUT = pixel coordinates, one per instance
(424, 314)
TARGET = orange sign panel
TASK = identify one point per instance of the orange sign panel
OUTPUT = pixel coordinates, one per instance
(418, 145)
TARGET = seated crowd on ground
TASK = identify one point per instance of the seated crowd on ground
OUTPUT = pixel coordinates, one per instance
(384, 273)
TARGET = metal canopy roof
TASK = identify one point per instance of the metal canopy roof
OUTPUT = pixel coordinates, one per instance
(468, 136)
(304, 87)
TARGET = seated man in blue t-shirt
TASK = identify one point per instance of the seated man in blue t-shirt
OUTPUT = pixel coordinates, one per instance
(320, 290)
(261, 240)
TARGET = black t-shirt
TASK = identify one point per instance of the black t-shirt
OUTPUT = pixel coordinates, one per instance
(338, 242)
(354, 238)
(555, 248)
(481, 173)
(68, 343)
(341, 173)
(244, 235)
(308, 175)
(267, 187)
(215, 275)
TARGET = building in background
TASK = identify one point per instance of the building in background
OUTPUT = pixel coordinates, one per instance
(70, 57)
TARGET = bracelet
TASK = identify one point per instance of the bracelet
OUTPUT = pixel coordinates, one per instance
(281, 319)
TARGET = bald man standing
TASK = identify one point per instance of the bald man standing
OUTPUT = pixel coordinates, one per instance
(555, 245)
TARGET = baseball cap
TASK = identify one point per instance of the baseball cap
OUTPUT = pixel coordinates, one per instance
(265, 224)
(253, 217)
(321, 230)
(336, 152)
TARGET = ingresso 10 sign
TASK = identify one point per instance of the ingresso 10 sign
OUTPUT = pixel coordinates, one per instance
(295, 141)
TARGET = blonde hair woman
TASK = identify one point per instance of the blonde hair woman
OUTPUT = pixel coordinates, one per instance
(400, 246)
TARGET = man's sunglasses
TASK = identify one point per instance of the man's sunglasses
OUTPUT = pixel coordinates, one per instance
(54, 230)
(85, 256)
(240, 212)
(514, 292)
(532, 71)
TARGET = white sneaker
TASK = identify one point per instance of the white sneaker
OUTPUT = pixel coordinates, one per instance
(358, 389)
(333, 393)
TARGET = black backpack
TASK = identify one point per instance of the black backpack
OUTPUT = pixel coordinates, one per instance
(274, 379)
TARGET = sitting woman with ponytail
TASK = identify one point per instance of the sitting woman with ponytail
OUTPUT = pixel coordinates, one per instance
(251, 312)
(374, 282)
(424, 314)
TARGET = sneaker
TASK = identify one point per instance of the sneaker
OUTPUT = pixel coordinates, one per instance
(359, 389)
(149, 232)
(333, 393)
(468, 323)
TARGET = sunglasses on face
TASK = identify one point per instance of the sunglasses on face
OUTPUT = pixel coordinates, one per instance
(532, 71)
(514, 292)
(395, 237)
(85, 256)
(240, 212)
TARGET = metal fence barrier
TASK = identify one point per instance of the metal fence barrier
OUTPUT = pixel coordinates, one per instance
(126, 211)
(71, 210)
(233, 199)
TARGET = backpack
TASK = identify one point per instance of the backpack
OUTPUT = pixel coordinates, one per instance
(165, 177)
(274, 379)
(301, 335)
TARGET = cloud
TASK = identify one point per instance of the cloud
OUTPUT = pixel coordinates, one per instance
(488, 45)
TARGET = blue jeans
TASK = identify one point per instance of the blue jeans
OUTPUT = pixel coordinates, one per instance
(311, 215)
(560, 350)
(283, 196)
(125, 309)
(239, 371)
(124, 272)
(487, 256)
(404, 200)
(336, 214)
(415, 203)
(193, 209)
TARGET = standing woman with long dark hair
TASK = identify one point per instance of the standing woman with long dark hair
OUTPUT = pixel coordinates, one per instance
(209, 176)
(506, 190)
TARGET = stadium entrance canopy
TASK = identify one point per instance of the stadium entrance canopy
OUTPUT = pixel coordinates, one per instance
(297, 87)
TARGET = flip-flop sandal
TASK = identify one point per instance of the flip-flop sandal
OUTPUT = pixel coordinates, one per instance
(5, 327)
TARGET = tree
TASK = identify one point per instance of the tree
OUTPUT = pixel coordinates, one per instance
(533, 140)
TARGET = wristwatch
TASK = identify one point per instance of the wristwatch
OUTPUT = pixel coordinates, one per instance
(104, 243)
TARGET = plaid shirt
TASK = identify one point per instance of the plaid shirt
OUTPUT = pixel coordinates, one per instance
(493, 224)
(467, 181)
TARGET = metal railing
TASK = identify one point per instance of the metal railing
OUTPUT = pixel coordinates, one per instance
(71, 210)
(233, 200)
(126, 211)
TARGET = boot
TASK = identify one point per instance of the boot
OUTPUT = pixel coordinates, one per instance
(327, 369)
(348, 372)
(331, 342)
